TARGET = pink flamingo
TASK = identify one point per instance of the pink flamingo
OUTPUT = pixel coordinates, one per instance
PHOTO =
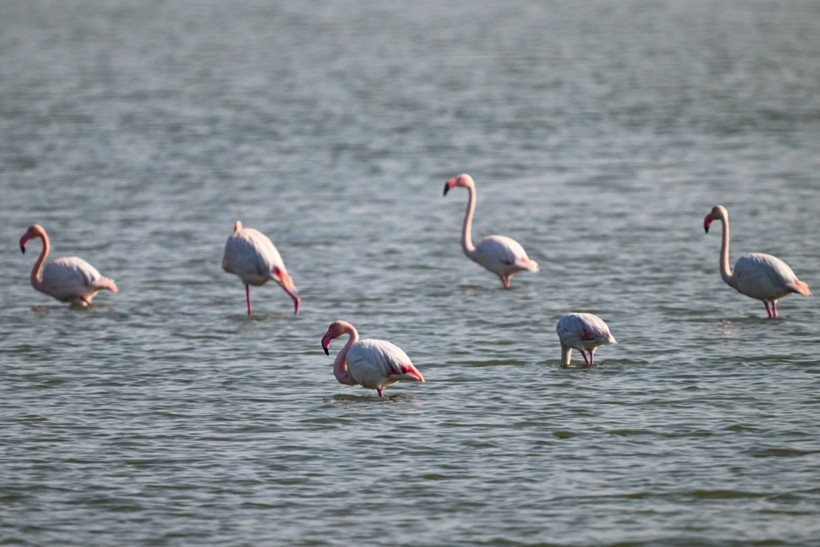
(68, 279)
(374, 364)
(761, 276)
(250, 254)
(501, 255)
(582, 331)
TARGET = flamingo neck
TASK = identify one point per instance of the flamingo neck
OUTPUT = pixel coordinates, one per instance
(340, 370)
(566, 355)
(467, 228)
(725, 269)
(38, 266)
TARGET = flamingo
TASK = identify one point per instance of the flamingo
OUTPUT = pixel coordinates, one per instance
(501, 255)
(250, 254)
(68, 279)
(373, 364)
(582, 331)
(761, 276)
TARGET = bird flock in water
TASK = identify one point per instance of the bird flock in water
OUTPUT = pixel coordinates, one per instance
(376, 364)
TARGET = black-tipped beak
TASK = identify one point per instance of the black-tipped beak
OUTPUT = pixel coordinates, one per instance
(22, 247)
(707, 222)
(327, 351)
(446, 188)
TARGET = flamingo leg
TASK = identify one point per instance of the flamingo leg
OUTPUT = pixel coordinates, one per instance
(380, 391)
(774, 308)
(768, 310)
(586, 359)
(248, 297)
(505, 280)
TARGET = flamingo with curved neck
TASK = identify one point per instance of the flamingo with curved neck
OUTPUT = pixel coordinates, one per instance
(584, 332)
(251, 255)
(373, 364)
(757, 275)
(501, 255)
(68, 279)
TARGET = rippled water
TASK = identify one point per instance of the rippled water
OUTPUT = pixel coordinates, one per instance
(599, 135)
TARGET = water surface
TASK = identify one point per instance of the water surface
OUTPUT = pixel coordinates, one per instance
(599, 135)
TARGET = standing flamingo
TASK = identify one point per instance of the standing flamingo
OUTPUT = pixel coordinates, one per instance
(68, 279)
(761, 276)
(582, 331)
(501, 255)
(374, 364)
(250, 254)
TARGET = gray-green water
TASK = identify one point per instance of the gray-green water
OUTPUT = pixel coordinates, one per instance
(599, 134)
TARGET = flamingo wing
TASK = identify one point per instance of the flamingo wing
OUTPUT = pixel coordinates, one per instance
(763, 276)
(375, 364)
(251, 255)
(70, 278)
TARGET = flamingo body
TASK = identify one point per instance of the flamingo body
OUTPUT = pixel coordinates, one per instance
(68, 279)
(251, 256)
(373, 364)
(585, 332)
(757, 275)
(764, 277)
(501, 255)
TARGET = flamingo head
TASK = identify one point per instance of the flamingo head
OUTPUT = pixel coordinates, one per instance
(464, 180)
(718, 212)
(34, 231)
(335, 330)
(237, 226)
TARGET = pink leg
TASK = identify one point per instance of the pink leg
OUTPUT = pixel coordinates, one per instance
(380, 391)
(768, 310)
(248, 297)
(774, 308)
(586, 359)
(505, 280)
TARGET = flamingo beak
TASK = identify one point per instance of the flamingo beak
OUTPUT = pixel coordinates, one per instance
(446, 187)
(326, 343)
(706, 223)
(23, 243)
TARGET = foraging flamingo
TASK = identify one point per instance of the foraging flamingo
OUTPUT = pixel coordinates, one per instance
(761, 276)
(501, 255)
(373, 364)
(582, 331)
(250, 254)
(68, 279)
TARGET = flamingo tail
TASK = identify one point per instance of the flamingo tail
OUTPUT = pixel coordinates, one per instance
(411, 371)
(108, 284)
(801, 288)
(529, 264)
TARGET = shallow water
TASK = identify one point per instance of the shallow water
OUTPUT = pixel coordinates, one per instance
(599, 135)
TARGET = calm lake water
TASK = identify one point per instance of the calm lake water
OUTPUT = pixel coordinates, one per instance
(599, 135)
